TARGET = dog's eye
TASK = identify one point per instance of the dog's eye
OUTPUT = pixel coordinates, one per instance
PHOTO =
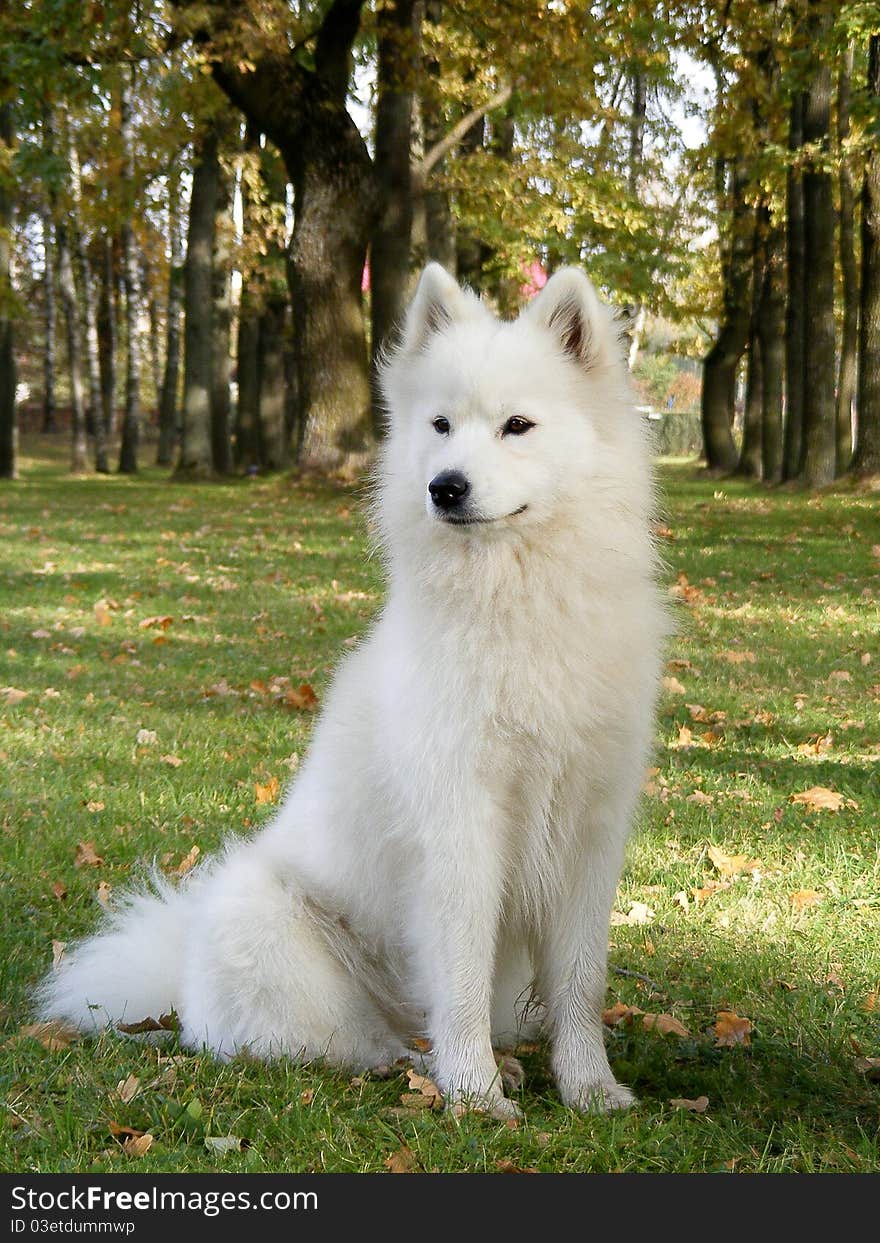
(516, 426)
(441, 425)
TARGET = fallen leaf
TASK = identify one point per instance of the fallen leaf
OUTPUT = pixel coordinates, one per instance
(146, 737)
(638, 913)
(732, 865)
(619, 1013)
(709, 890)
(223, 1144)
(700, 798)
(269, 792)
(102, 613)
(817, 745)
(673, 685)
(138, 1145)
(103, 895)
(86, 856)
(869, 1066)
(507, 1166)
(127, 1089)
(738, 658)
(303, 698)
(159, 623)
(13, 695)
(59, 890)
(731, 1029)
(698, 1106)
(840, 675)
(188, 862)
(665, 1024)
(820, 798)
(165, 1022)
(425, 1086)
(58, 948)
(94, 806)
(54, 1036)
(805, 898)
(401, 1162)
(173, 760)
(307, 1096)
(127, 1132)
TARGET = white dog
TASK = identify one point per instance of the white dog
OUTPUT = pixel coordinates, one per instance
(451, 847)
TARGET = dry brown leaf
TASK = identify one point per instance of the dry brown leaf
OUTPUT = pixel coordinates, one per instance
(817, 745)
(424, 1086)
(59, 890)
(54, 1036)
(619, 1013)
(128, 1088)
(94, 805)
(700, 798)
(698, 1106)
(173, 760)
(673, 685)
(709, 890)
(738, 658)
(58, 948)
(13, 695)
(665, 1024)
(869, 1066)
(732, 865)
(188, 862)
(267, 793)
(138, 1145)
(86, 856)
(731, 1029)
(103, 895)
(401, 1162)
(303, 698)
(307, 1096)
(805, 898)
(156, 623)
(124, 1132)
(507, 1166)
(165, 1023)
(871, 1003)
(102, 613)
(820, 798)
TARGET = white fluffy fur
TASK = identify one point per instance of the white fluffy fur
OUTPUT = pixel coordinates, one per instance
(452, 843)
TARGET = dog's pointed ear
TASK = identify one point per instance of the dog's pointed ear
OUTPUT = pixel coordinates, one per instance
(569, 308)
(438, 302)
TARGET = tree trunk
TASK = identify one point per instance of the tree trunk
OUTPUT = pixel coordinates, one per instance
(771, 340)
(168, 416)
(94, 415)
(751, 452)
(272, 421)
(390, 248)
(849, 342)
(49, 412)
(819, 456)
(248, 451)
(795, 306)
(78, 457)
(221, 327)
(195, 448)
(302, 109)
(866, 460)
(8, 422)
(131, 415)
(107, 335)
(720, 364)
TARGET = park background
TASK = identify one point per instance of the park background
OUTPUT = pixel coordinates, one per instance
(211, 218)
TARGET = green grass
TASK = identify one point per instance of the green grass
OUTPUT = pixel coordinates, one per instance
(269, 579)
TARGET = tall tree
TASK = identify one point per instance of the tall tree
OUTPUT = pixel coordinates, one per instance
(795, 305)
(820, 448)
(131, 416)
(195, 446)
(107, 334)
(168, 410)
(94, 413)
(866, 460)
(221, 323)
(849, 272)
(8, 467)
(771, 342)
(49, 407)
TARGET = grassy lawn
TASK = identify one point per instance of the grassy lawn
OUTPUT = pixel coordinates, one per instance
(134, 605)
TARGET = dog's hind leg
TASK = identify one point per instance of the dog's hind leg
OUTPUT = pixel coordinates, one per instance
(261, 975)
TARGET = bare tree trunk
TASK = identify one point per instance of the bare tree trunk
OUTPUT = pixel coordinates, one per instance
(107, 335)
(8, 422)
(795, 307)
(390, 247)
(195, 449)
(720, 364)
(168, 414)
(221, 327)
(866, 460)
(771, 339)
(94, 415)
(49, 422)
(78, 458)
(819, 460)
(153, 348)
(751, 451)
(272, 422)
(849, 342)
(131, 415)
(433, 225)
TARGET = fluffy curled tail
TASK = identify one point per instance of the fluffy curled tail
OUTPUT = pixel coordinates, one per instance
(129, 970)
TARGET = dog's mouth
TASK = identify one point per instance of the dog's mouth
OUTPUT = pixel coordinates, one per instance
(464, 521)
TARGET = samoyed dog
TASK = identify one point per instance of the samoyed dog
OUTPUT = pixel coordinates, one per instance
(445, 863)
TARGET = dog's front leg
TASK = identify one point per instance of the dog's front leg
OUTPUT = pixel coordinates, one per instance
(572, 964)
(457, 918)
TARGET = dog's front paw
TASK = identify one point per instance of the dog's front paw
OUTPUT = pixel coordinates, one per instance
(501, 1108)
(597, 1098)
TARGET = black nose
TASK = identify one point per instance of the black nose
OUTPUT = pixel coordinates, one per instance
(448, 489)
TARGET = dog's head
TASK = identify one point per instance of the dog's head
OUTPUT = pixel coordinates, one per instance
(495, 424)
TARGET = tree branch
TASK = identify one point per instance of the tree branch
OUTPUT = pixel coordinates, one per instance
(333, 48)
(432, 157)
